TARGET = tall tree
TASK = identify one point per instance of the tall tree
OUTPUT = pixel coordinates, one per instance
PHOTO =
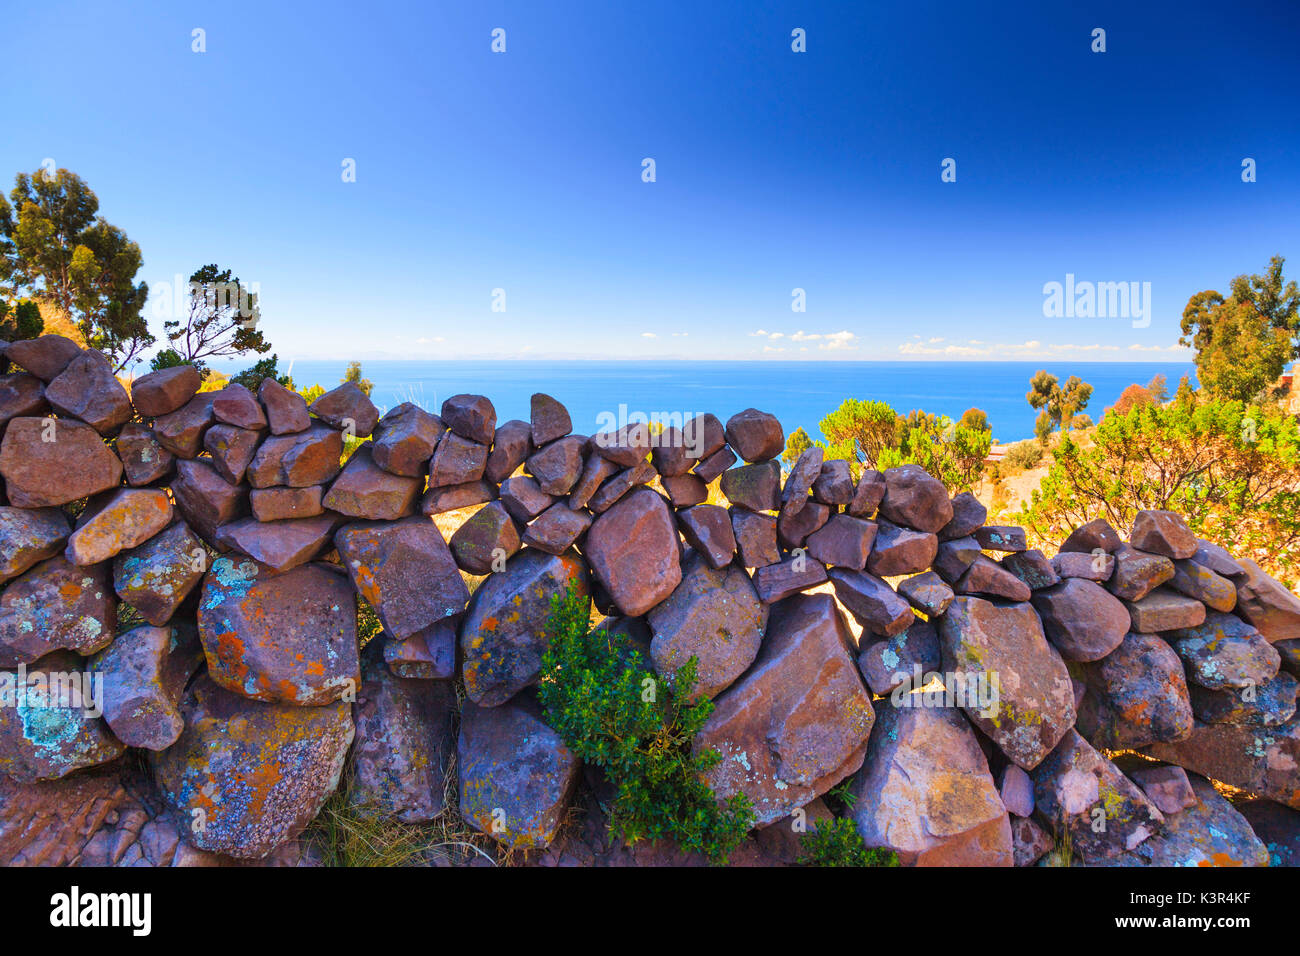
(55, 246)
(1244, 341)
(1059, 403)
(221, 322)
(859, 431)
(353, 374)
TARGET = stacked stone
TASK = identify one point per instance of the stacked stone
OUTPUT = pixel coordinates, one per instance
(820, 611)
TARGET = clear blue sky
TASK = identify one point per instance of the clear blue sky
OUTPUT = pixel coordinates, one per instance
(775, 169)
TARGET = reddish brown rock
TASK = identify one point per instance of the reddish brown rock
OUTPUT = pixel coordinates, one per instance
(503, 635)
(800, 481)
(615, 488)
(557, 528)
(685, 490)
(834, 485)
(716, 464)
(627, 447)
(872, 602)
(164, 391)
(429, 654)
(73, 463)
(1217, 559)
(1200, 583)
(1276, 826)
(1263, 602)
(232, 450)
(843, 542)
(205, 498)
(714, 615)
(457, 460)
(633, 552)
(1030, 842)
(915, 499)
(1165, 785)
(145, 672)
(128, 518)
(405, 570)
(404, 440)
(1095, 566)
(484, 542)
(1162, 532)
(41, 737)
(299, 459)
(181, 431)
(1269, 705)
(594, 474)
(797, 722)
(143, 459)
(905, 658)
(756, 487)
(792, 531)
(1032, 567)
(279, 503)
(236, 405)
(280, 545)
(776, 582)
(926, 793)
(21, 395)
(470, 416)
(708, 530)
(350, 409)
(755, 436)
(558, 466)
(1034, 704)
(927, 593)
(56, 605)
(88, 390)
(898, 550)
(755, 536)
(703, 436)
(550, 419)
(1081, 619)
(1261, 760)
(670, 454)
(44, 356)
(968, 516)
(523, 499)
(1225, 652)
(516, 775)
(254, 773)
(364, 490)
(436, 501)
(1136, 695)
(28, 536)
(869, 493)
(1163, 610)
(1001, 538)
(1089, 537)
(286, 410)
(953, 557)
(157, 576)
(987, 577)
(284, 637)
(1075, 786)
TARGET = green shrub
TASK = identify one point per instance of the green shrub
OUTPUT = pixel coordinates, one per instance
(614, 713)
(837, 843)
(1023, 454)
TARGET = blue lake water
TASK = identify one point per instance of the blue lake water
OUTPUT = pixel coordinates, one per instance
(800, 394)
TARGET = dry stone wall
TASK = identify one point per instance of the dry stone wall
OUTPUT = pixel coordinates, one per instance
(980, 700)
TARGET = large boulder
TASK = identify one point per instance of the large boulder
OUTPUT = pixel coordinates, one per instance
(44, 356)
(516, 774)
(157, 576)
(56, 605)
(232, 450)
(1262, 760)
(708, 529)
(797, 722)
(162, 392)
(206, 499)
(1030, 700)
(1162, 532)
(897, 550)
(348, 408)
(288, 638)
(1079, 792)
(364, 490)
(28, 536)
(1267, 604)
(873, 602)
(755, 436)
(502, 637)
(1083, 620)
(915, 499)
(549, 419)
(634, 552)
(926, 793)
(488, 537)
(246, 776)
(405, 571)
(1226, 652)
(1136, 695)
(1138, 573)
(286, 410)
(47, 462)
(405, 741)
(89, 391)
(307, 457)
(145, 672)
(405, 438)
(181, 432)
(756, 487)
(126, 519)
(714, 616)
(50, 725)
(280, 545)
(470, 416)
(236, 406)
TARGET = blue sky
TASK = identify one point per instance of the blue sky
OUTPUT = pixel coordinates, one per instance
(775, 170)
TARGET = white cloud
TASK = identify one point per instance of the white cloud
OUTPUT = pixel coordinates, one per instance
(648, 335)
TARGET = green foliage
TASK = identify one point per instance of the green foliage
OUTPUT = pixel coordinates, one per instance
(252, 376)
(353, 374)
(21, 320)
(1059, 403)
(167, 358)
(613, 712)
(975, 418)
(221, 321)
(1244, 341)
(54, 245)
(837, 843)
(796, 445)
(1023, 454)
(1158, 388)
(859, 431)
(1231, 469)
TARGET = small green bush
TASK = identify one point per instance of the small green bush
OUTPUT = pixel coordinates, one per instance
(1023, 454)
(837, 843)
(615, 713)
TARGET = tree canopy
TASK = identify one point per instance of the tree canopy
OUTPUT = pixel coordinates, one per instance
(221, 321)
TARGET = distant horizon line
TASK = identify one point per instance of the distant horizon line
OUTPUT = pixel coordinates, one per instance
(792, 361)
